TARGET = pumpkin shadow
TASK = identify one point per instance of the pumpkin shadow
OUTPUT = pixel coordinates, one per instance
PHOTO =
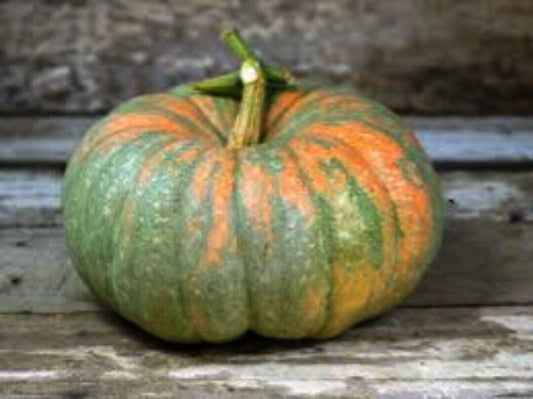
(248, 344)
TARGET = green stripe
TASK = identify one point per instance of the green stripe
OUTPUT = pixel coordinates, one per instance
(153, 265)
(324, 223)
(146, 105)
(367, 210)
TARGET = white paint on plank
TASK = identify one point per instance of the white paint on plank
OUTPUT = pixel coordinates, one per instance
(332, 378)
(30, 374)
(83, 352)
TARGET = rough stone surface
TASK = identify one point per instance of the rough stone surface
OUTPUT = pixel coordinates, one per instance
(419, 56)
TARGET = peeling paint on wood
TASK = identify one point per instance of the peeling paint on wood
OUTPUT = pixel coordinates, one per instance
(453, 353)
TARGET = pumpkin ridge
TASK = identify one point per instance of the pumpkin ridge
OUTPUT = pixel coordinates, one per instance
(194, 292)
(103, 137)
(274, 99)
(314, 114)
(122, 209)
(300, 112)
(373, 242)
(96, 177)
(195, 101)
(416, 155)
(413, 258)
(168, 106)
(145, 300)
(369, 168)
(217, 237)
(323, 215)
(237, 207)
(254, 258)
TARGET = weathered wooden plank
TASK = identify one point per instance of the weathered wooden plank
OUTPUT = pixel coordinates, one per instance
(447, 140)
(480, 263)
(414, 353)
(87, 55)
(32, 197)
(485, 258)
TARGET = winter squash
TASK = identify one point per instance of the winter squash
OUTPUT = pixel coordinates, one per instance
(199, 214)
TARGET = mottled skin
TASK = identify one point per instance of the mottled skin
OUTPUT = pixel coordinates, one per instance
(332, 219)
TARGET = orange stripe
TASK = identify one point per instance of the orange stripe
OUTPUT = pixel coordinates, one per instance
(295, 108)
(310, 162)
(332, 104)
(189, 109)
(158, 157)
(200, 178)
(223, 118)
(351, 296)
(283, 102)
(220, 238)
(410, 196)
(121, 128)
(257, 195)
(292, 188)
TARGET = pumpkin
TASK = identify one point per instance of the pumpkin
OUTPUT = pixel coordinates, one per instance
(289, 211)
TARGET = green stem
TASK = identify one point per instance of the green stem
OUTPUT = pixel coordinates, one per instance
(247, 127)
(234, 41)
(230, 84)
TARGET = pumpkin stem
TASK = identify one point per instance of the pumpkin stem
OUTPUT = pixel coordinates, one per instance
(230, 84)
(247, 127)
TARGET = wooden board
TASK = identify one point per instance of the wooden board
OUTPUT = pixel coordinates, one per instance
(409, 353)
(448, 141)
(486, 256)
(88, 55)
(32, 197)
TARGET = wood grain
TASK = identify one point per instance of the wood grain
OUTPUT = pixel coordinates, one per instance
(32, 197)
(485, 258)
(409, 353)
(418, 56)
(448, 141)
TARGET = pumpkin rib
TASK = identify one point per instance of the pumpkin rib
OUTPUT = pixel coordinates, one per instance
(256, 211)
(278, 109)
(309, 182)
(238, 211)
(194, 292)
(314, 113)
(97, 174)
(147, 299)
(413, 259)
(352, 292)
(167, 105)
(392, 138)
(226, 111)
(295, 192)
(419, 159)
(110, 138)
(308, 99)
(122, 209)
(218, 260)
(354, 174)
(198, 103)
